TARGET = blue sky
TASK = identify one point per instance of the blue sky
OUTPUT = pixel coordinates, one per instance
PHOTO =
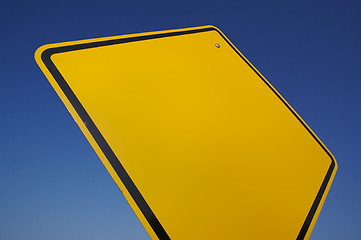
(53, 186)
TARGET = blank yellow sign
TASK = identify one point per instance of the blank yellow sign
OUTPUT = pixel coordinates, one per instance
(201, 145)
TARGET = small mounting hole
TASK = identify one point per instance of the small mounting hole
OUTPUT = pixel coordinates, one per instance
(217, 45)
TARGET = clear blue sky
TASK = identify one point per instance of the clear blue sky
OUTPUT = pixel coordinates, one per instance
(310, 51)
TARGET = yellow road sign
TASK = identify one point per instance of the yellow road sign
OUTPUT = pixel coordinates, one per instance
(199, 142)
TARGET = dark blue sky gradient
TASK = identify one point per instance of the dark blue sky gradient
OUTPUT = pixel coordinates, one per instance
(53, 186)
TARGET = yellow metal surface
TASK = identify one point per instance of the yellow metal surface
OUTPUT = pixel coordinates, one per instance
(212, 148)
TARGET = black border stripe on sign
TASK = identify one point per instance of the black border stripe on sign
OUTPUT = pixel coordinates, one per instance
(112, 158)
